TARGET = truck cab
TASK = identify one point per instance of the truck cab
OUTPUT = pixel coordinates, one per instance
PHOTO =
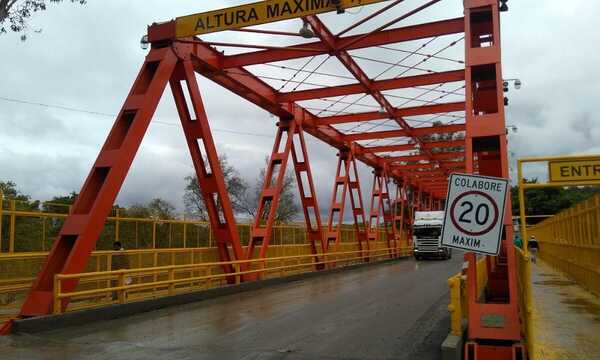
(427, 236)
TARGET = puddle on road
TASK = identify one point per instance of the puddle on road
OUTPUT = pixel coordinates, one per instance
(555, 282)
(583, 305)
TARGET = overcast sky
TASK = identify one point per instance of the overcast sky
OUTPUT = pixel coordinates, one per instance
(86, 57)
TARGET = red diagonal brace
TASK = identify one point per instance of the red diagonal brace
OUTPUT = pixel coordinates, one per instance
(77, 238)
(206, 163)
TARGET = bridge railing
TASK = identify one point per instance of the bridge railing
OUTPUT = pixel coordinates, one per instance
(570, 242)
(18, 270)
(525, 296)
(458, 307)
(26, 228)
(122, 286)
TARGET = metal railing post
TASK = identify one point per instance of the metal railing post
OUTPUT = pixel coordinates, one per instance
(171, 278)
(1, 216)
(238, 277)
(154, 234)
(13, 218)
(117, 223)
(121, 292)
(57, 292)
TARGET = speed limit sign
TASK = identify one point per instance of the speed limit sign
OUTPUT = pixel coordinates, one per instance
(474, 213)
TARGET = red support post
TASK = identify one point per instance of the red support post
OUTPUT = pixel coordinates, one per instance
(380, 206)
(206, 163)
(400, 211)
(347, 181)
(308, 196)
(289, 139)
(271, 191)
(388, 219)
(494, 325)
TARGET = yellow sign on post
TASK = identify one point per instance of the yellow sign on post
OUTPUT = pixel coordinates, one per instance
(261, 12)
(573, 171)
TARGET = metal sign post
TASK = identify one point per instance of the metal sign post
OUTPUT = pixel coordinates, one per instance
(474, 213)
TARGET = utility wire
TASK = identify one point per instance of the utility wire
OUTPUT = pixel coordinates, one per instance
(98, 113)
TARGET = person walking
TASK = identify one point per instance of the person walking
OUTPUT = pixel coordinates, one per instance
(119, 262)
(533, 248)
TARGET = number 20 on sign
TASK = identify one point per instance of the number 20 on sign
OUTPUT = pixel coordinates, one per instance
(474, 213)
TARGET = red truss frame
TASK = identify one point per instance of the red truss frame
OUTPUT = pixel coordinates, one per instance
(420, 173)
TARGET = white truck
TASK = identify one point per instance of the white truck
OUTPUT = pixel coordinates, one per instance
(427, 235)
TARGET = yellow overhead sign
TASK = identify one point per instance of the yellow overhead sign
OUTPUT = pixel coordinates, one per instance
(261, 12)
(570, 171)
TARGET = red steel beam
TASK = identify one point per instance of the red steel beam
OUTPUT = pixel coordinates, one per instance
(398, 112)
(406, 147)
(437, 156)
(240, 81)
(442, 129)
(380, 85)
(251, 88)
(403, 34)
(448, 164)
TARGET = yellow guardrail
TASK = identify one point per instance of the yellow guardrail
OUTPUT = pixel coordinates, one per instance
(19, 270)
(24, 230)
(458, 306)
(525, 297)
(26, 235)
(570, 242)
(121, 286)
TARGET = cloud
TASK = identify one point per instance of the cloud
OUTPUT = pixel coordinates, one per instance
(88, 56)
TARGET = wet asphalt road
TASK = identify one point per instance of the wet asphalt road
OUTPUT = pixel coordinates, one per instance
(389, 311)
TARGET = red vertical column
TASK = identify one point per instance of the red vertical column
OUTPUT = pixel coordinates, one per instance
(411, 207)
(400, 208)
(380, 206)
(388, 220)
(375, 208)
(347, 181)
(496, 320)
(308, 196)
(272, 186)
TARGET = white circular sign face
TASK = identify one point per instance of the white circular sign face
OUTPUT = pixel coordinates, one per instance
(474, 213)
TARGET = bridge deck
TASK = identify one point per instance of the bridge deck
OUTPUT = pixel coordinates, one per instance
(395, 310)
(566, 318)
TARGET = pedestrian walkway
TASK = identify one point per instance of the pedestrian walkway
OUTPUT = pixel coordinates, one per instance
(566, 317)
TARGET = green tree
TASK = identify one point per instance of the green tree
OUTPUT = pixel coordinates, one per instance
(155, 209)
(288, 208)
(14, 13)
(237, 188)
(27, 229)
(549, 201)
(60, 204)
(23, 201)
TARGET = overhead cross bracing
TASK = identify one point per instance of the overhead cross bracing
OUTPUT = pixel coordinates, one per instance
(388, 79)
